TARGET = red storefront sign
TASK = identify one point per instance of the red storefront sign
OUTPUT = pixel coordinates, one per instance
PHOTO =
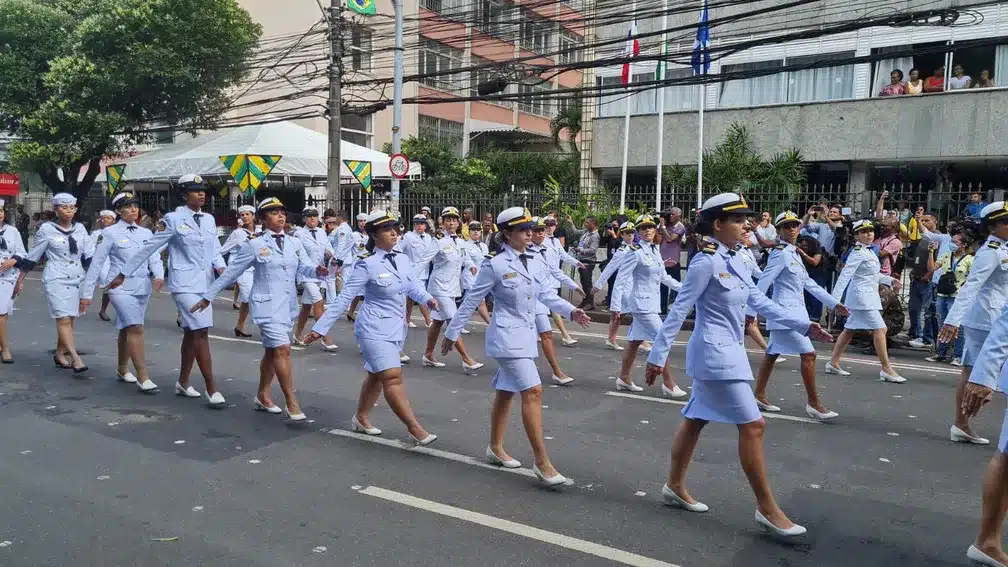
(10, 184)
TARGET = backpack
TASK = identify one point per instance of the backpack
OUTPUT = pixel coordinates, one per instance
(947, 282)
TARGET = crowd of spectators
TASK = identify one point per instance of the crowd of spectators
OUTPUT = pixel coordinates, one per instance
(935, 83)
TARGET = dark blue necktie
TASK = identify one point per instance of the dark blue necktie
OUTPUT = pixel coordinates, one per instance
(196, 218)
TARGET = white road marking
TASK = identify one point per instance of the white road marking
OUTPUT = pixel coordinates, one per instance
(682, 403)
(447, 455)
(248, 341)
(559, 540)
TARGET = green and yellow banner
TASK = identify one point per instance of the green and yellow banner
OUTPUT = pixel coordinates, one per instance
(249, 171)
(362, 171)
(366, 7)
(113, 175)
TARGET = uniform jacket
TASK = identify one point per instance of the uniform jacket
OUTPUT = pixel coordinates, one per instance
(786, 272)
(548, 273)
(193, 251)
(316, 244)
(448, 260)
(861, 273)
(642, 273)
(556, 255)
(476, 251)
(718, 283)
(990, 369)
(11, 246)
(117, 244)
(62, 265)
(985, 293)
(415, 246)
(234, 241)
(515, 289)
(385, 283)
(620, 287)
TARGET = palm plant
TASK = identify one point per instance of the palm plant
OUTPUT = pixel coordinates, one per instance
(568, 119)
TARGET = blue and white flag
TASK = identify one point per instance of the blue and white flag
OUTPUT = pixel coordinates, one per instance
(701, 45)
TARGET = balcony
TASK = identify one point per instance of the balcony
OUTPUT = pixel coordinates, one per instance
(957, 125)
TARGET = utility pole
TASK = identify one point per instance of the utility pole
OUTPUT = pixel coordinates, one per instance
(335, 17)
(397, 95)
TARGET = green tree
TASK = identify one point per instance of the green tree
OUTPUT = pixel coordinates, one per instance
(84, 79)
(568, 119)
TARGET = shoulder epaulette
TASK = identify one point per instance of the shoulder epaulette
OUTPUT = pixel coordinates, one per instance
(859, 247)
(781, 246)
(634, 246)
(439, 234)
(994, 244)
(710, 248)
(363, 255)
(491, 255)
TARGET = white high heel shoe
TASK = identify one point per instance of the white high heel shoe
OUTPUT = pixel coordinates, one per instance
(675, 393)
(425, 441)
(555, 480)
(821, 416)
(957, 435)
(974, 554)
(147, 387)
(830, 369)
(356, 426)
(792, 532)
(562, 381)
(188, 391)
(493, 459)
(259, 406)
(129, 378)
(767, 407)
(673, 499)
(621, 385)
(471, 368)
(295, 416)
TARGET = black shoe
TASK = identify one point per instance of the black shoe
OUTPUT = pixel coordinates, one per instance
(64, 365)
(104, 317)
(240, 333)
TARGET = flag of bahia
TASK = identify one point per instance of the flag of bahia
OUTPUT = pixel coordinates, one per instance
(362, 6)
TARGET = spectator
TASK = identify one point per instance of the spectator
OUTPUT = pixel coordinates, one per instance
(765, 234)
(832, 236)
(936, 82)
(895, 86)
(956, 264)
(959, 79)
(467, 217)
(889, 247)
(612, 239)
(811, 252)
(22, 222)
(985, 81)
(914, 85)
(586, 252)
(904, 212)
(976, 204)
(560, 231)
(489, 231)
(922, 267)
(671, 230)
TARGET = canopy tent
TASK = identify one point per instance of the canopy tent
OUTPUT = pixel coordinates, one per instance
(304, 152)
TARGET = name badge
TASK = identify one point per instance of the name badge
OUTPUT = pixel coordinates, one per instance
(385, 275)
(184, 228)
(724, 275)
(124, 241)
(448, 249)
(264, 252)
(510, 275)
(59, 240)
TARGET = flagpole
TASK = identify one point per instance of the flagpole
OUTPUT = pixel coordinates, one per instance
(703, 61)
(663, 65)
(699, 183)
(626, 124)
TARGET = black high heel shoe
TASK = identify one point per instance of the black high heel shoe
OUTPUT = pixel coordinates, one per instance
(240, 333)
(64, 365)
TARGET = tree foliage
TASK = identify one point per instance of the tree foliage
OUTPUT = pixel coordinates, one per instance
(84, 79)
(569, 119)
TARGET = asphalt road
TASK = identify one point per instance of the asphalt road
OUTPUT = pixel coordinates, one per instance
(94, 473)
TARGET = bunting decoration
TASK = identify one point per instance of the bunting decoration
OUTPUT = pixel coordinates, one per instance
(362, 171)
(113, 175)
(249, 171)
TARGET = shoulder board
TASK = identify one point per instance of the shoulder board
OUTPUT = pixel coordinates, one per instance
(439, 234)
(161, 226)
(491, 255)
(100, 238)
(710, 248)
(365, 255)
(859, 247)
(781, 246)
(994, 244)
(634, 247)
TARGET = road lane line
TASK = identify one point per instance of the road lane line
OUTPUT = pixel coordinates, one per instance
(447, 455)
(523, 530)
(682, 403)
(249, 341)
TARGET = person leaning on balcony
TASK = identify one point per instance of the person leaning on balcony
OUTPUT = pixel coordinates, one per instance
(914, 84)
(936, 82)
(985, 81)
(896, 86)
(959, 78)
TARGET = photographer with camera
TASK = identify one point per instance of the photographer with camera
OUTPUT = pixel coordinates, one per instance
(671, 231)
(825, 224)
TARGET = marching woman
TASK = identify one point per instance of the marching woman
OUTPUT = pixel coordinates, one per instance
(752, 326)
(718, 283)
(415, 244)
(976, 307)
(67, 249)
(11, 251)
(317, 245)
(786, 272)
(641, 274)
(358, 239)
(556, 256)
(447, 260)
(861, 273)
(117, 244)
(245, 231)
(627, 232)
(550, 277)
(476, 250)
(106, 219)
(276, 260)
(511, 338)
(383, 278)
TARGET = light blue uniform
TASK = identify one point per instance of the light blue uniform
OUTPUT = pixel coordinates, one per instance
(193, 254)
(642, 273)
(621, 286)
(551, 276)
(981, 298)
(65, 252)
(448, 258)
(385, 280)
(11, 246)
(476, 251)
(118, 244)
(989, 369)
(861, 274)
(718, 283)
(273, 299)
(95, 236)
(415, 246)
(317, 245)
(786, 272)
(238, 237)
(339, 239)
(511, 338)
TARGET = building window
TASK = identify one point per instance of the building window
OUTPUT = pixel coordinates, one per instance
(437, 61)
(357, 129)
(441, 130)
(569, 47)
(164, 137)
(824, 83)
(535, 32)
(680, 97)
(752, 91)
(535, 98)
(496, 17)
(485, 72)
(358, 50)
(612, 101)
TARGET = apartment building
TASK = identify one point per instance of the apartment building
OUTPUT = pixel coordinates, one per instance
(441, 36)
(837, 116)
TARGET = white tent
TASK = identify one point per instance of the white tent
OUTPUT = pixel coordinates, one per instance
(304, 152)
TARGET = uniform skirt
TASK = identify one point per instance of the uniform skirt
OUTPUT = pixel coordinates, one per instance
(310, 293)
(644, 327)
(275, 334)
(6, 297)
(130, 309)
(724, 401)
(380, 355)
(63, 299)
(1003, 440)
(974, 340)
(516, 375)
(863, 319)
(543, 323)
(446, 308)
(788, 342)
(244, 284)
(193, 321)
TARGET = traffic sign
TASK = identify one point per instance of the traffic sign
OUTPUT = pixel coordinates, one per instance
(399, 166)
